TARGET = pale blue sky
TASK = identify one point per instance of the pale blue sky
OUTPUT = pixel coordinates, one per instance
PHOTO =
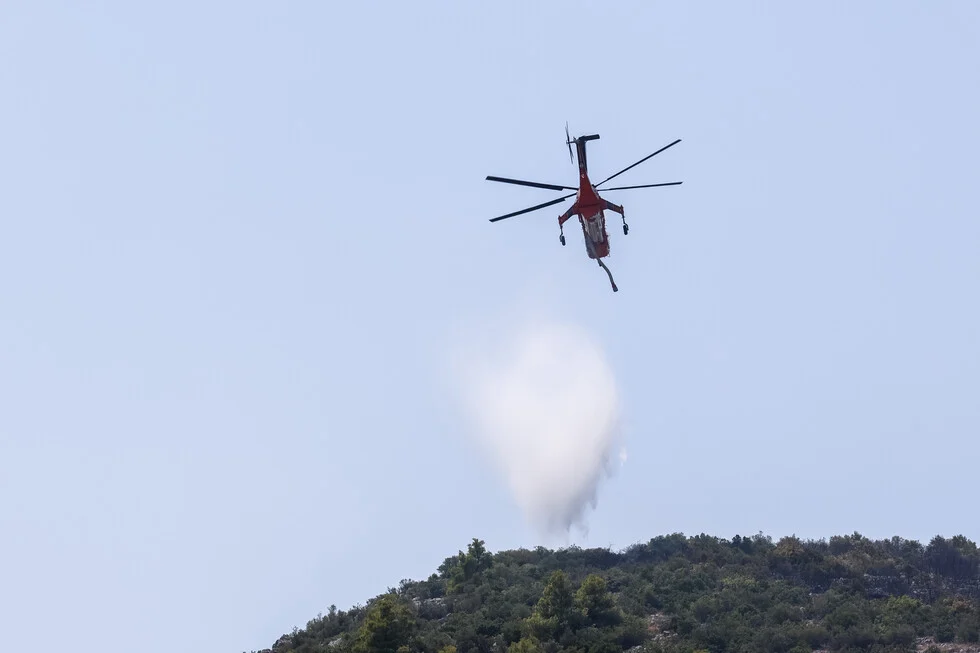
(236, 236)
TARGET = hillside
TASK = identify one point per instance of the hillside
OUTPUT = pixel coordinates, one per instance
(674, 593)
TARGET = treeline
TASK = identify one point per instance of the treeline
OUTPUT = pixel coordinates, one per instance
(672, 594)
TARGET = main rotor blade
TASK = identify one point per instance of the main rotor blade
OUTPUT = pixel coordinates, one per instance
(669, 183)
(638, 162)
(533, 208)
(534, 184)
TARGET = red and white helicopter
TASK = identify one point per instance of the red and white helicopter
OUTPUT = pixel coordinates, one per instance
(588, 206)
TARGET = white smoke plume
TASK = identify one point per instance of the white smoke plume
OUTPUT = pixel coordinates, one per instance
(543, 401)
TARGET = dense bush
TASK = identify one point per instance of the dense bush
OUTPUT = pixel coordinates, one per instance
(672, 594)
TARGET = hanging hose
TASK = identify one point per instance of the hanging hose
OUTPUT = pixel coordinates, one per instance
(603, 266)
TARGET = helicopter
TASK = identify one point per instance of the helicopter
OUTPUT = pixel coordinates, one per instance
(589, 206)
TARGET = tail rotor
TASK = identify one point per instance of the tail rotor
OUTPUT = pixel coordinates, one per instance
(568, 141)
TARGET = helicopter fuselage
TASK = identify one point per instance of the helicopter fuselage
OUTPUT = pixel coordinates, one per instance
(592, 218)
(589, 207)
